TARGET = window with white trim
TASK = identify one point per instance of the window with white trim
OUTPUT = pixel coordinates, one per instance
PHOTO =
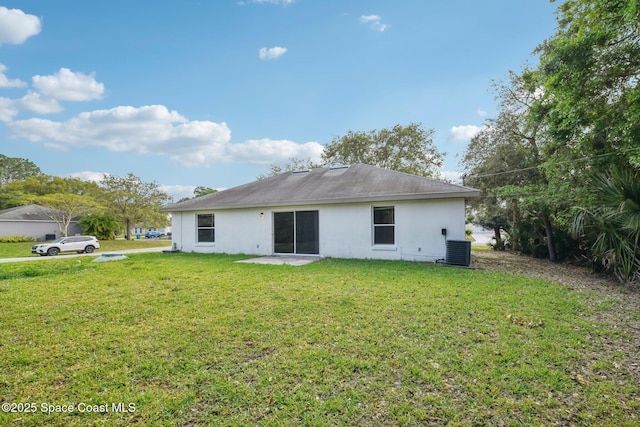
(384, 229)
(206, 228)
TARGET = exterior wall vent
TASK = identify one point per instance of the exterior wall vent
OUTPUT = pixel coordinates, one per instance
(458, 252)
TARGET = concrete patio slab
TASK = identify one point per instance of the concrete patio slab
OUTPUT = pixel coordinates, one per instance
(281, 260)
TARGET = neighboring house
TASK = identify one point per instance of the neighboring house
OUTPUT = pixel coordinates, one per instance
(32, 221)
(139, 230)
(357, 211)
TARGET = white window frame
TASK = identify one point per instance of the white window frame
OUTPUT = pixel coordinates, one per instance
(375, 225)
(198, 228)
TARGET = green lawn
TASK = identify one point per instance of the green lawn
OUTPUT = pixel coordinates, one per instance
(480, 248)
(192, 340)
(15, 250)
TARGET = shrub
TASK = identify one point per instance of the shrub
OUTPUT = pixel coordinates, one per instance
(15, 239)
(103, 226)
(614, 225)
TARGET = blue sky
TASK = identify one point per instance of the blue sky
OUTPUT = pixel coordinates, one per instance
(188, 93)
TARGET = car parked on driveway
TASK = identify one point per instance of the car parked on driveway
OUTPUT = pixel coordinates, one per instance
(79, 244)
(152, 234)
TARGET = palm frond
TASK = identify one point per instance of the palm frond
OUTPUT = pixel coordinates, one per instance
(616, 222)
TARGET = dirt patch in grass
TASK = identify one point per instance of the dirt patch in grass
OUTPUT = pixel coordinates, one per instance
(575, 276)
(611, 305)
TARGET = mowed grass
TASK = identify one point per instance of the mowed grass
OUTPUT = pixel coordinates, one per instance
(191, 340)
(23, 249)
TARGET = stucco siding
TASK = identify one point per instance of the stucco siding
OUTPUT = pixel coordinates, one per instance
(244, 231)
(345, 230)
(34, 229)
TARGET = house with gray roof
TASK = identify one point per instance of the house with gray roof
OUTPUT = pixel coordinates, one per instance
(32, 221)
(357, 211)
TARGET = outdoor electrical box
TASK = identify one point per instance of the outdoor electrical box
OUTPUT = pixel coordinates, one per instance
(444, 232)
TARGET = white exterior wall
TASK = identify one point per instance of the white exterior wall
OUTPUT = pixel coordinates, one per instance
(346, 230)
(237, 231)
(36, 229)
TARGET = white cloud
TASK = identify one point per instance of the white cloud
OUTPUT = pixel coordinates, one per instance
(271, 53)
(6, 82)
(267, 151)
(369, 18)
(374, 21)
(464, 133)
(155, 130)
(452, 176)
(481, 112)
(178, 191)
(16, 26)
(39, 104)
(64, 85)
(89, 176)
(147, 129)
(8, 109)
(69, 86)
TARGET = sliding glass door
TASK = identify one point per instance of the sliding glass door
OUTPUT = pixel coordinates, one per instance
(296, 232)
(307, 239)
(283, 232)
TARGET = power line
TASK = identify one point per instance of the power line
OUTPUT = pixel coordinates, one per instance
(465, 176)
(505, 196)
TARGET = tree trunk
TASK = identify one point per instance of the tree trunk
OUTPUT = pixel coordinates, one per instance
(515, 243)
(66, 227)
(496, 234)
(551, 244)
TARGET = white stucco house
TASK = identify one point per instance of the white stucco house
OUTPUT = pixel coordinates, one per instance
(357, 211)
(32, 221)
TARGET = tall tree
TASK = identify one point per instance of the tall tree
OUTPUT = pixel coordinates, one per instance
(20, 192)
(488, 162)
(62, 208)
(504, 160)
(591, 70)
(580, 115)
(200, 191)
(46, 184)
(407, 149)
(293, 164)
(15, 169)
(12, 198)
(132, 201)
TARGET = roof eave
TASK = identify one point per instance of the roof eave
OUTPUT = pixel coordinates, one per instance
(332, 201)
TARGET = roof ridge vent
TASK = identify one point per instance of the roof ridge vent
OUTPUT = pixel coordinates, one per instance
(302, 171)
(339, 167)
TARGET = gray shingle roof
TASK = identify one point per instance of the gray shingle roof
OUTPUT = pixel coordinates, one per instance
(25, 213)
(357, 183)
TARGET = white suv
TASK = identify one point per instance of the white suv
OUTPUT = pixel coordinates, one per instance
(80, 244)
